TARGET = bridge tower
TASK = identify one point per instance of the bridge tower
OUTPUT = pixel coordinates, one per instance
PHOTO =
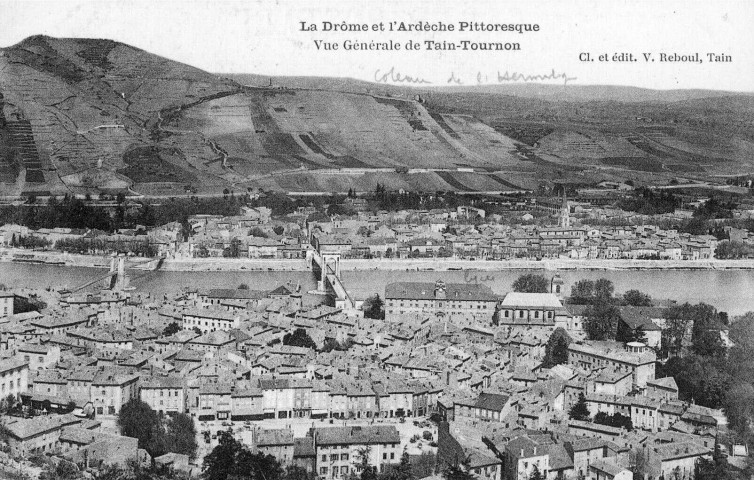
(113, 268)
(122, 280)
(118, 280)
(330, 263)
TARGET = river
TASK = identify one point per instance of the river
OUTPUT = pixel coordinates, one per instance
(728, 290)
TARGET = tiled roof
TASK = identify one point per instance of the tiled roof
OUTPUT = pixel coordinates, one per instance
(366, 435)
(426, 291)
(531, 300)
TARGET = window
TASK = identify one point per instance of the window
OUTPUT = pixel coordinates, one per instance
(324, 459)
(323, 471)
(344, 456)
(384, 456)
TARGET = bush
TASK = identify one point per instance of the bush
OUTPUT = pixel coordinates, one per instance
(427, 435)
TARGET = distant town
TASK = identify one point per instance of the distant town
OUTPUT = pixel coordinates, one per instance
(613, 222)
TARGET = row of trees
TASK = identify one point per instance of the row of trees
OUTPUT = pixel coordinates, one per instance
(137, 246)
(29, 241)
(713, 377)
(602, 317)
(733, 250)
(70, 212)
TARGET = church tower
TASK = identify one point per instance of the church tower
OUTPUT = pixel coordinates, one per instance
(564, 221)
(556, 285)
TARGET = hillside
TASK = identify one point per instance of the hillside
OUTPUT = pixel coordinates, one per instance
(550, 92)
(86, 116)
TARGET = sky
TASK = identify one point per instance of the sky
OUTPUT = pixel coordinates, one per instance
(265, 37)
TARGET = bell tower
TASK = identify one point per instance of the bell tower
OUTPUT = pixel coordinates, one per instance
(564, 221)
(556, 285)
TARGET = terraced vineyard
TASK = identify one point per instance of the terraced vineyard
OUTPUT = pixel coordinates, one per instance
(86, 115)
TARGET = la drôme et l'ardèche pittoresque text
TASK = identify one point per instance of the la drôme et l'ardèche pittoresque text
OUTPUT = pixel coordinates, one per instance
(450, 42)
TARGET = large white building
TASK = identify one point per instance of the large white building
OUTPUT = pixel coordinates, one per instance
(164, 394)
(6, 304)
(338, 449)
(456, 300)
(531, 309)
(635, 358)
(14, 376)
(208, 320)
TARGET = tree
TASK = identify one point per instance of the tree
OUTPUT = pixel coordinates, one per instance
(579, 410)
(536, 474)
(197, 331)
(638, 461)
(256, 466)
(425, 465)
(624, 333)
(531, 283)
(702, 380)
(368, 472)
(739, 406)
(137, 419)
(617, 420)
(709, 343)
(299, 338)
(374, 307)
(294, 472)
(221, 461)
(231, 459)
(637, 299)
(403, 471)
(601, 321)
(63, 470)
(456, 471)
(556, 350)
(181, 435)
(582, 292)
(243, 286)
(716, 468)
(677, 325)
(603, 290)
(257, 232)
(278, 229)
(171, 329)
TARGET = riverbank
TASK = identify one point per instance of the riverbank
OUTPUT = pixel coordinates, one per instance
(430, 264)
(416, 264)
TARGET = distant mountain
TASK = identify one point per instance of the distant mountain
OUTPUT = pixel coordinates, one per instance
(94, 115)
(549, 92)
